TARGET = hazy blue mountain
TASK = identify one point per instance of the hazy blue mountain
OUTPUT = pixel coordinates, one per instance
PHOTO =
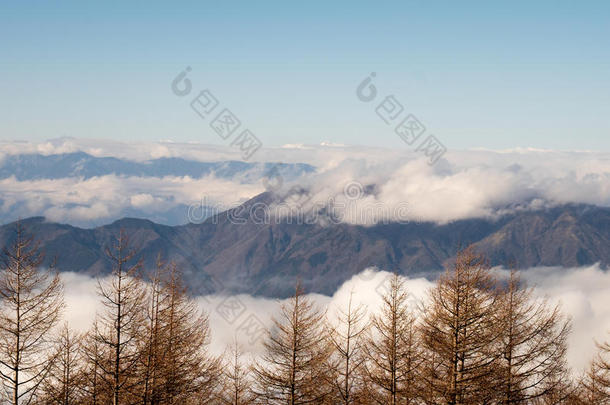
(80, 164)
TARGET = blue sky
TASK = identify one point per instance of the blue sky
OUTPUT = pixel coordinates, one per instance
(477, 74)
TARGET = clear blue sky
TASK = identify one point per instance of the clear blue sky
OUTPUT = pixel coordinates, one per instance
(478, 74)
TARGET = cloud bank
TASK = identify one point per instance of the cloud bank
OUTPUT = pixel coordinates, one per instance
(581, 292)
(362, 185)
(474, 184)
(103, 199)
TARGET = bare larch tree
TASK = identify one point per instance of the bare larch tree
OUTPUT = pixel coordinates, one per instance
(119, 326)
(458, 333)
(185, 370)
(63, 385)
(150, 341)
(293, 367)
(31, 305)
(96, 389)
(393, 356)
(346, 336)
(237, 385)
(595, 386)
(533, 344)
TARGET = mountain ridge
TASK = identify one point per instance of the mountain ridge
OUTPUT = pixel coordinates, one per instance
(36, 166)
(266, 258)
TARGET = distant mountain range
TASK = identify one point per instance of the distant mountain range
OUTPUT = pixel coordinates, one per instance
(266, 259)
(83, 165)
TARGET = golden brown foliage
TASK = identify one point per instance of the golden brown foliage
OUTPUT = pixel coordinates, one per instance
(458, 334)
(393, 357)
(293, 368)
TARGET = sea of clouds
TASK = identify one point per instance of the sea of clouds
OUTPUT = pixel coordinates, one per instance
(367, 185)
(462, 184)
(581, 293)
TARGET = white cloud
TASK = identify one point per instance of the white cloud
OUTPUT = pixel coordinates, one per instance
(463, 184)
(143, 200)
(107, 197)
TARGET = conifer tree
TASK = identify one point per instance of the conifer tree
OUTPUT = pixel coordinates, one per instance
(118, 328)
(533, 344)
(31, 303)
(293, 369)
(237, 386)
(346, 336)
(64, 382)
(393, 356)
(459, 335)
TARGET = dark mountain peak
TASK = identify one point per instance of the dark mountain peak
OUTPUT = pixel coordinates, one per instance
(31, 220)
(129, 223)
